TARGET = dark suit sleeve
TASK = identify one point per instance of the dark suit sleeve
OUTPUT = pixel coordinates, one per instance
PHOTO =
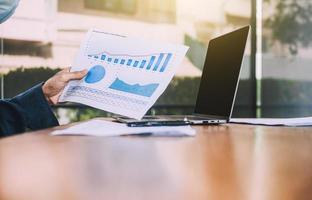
(29, 110)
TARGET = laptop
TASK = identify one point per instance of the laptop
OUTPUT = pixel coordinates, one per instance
(218, 85)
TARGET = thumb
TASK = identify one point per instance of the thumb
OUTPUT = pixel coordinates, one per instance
(76, 75)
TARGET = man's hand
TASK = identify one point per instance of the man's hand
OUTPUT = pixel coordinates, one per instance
(54, 86)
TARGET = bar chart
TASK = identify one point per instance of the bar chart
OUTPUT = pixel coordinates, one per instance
(152, 62)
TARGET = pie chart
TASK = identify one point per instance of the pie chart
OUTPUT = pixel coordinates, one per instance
(95, 74)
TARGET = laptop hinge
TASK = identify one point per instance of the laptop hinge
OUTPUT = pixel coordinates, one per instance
(211, 116)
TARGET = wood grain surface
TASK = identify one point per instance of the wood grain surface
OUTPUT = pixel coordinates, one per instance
(221, 162)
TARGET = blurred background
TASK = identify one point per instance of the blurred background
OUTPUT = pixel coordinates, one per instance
(43, 37)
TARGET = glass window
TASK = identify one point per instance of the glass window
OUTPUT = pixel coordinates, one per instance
(117, 6)
(287, 58)
(38, 44)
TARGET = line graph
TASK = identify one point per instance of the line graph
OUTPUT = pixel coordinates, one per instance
(142, 90)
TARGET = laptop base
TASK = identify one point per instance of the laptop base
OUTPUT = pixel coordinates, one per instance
(170, 120)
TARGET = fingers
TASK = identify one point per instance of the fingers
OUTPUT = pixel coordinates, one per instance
(66, 69)
(68, 76)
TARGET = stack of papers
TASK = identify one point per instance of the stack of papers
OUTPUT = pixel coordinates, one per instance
(106, 128)
(304, 121)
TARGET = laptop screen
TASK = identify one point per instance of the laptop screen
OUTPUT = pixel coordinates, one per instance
(220, 76)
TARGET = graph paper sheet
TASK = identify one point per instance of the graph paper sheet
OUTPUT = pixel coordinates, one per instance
(125, 75)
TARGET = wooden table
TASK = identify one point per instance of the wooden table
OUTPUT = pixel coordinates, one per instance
(221, 162)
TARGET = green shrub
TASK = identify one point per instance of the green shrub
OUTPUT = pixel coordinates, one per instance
(180, 96)
(21, 79)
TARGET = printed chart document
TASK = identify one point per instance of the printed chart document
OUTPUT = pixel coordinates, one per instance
(304, 121)
(126, 75)
(107, 128)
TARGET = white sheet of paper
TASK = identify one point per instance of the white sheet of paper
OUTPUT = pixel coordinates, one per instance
(126, 75)
(304, 121)
(106, 128)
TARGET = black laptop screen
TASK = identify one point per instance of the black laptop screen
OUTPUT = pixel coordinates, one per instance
(221, 74)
